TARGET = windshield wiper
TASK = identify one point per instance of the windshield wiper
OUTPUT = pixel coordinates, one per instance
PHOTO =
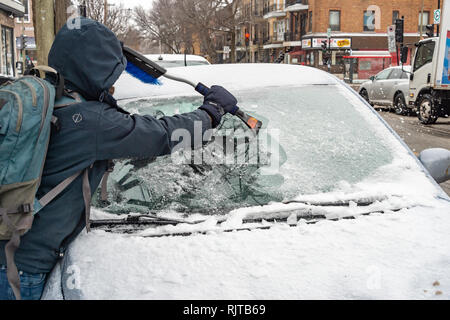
(144, 219)
(361, 202)
(247, 224)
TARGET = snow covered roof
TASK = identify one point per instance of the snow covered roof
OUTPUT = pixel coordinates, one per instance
(234, 77)
(175, 57)
(296, 7)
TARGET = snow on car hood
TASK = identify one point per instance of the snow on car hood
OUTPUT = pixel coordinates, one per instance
(390, 256)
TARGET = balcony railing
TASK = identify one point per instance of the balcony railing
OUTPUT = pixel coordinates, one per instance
(292, 36)
(272, 8)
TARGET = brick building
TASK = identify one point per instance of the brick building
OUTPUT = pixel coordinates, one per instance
(358, 32)
(9, 10)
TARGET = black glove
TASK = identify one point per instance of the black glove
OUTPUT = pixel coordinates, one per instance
(218, 102)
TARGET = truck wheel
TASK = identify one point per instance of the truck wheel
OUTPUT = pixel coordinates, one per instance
(427, 112)
(400, 107)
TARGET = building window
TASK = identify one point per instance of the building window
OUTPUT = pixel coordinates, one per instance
(310, 21)
(335, 20)
(369, 20)
(395, 16)
(26, 16)
(423, 20)
(7, 51)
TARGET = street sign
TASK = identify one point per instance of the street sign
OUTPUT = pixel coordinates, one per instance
(391, 39)
(437, 16)
(329, 32)
(226, 49)
(335, 43)
(306, 43)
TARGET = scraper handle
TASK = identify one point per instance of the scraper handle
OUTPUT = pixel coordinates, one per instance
(250, 121)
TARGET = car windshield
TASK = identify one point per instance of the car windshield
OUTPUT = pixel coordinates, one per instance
(316, 136)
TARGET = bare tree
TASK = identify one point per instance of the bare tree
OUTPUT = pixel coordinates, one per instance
(164, 24)
(61, 14)
(44, 28)
(228, 18)
(179, 24)
(200, 16)
(117, 17)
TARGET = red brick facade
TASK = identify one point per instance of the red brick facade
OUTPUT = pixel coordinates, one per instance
(352, 12)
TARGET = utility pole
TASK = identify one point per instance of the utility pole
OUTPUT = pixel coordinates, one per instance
(421, 19)
(44, 28)
(439, 7)
(105, 12)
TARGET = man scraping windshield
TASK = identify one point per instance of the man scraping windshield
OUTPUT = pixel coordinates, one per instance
(92, 132)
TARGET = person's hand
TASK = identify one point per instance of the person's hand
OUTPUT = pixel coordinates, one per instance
(218, 102)
(220, 96)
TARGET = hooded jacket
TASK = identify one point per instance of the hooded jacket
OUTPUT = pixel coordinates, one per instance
(92, 132)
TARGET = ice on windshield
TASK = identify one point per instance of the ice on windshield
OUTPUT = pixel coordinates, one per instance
(323, 141)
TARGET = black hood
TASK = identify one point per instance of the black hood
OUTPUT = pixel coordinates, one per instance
(90, 58)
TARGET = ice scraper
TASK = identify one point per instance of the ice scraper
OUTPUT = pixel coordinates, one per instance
(148, 72)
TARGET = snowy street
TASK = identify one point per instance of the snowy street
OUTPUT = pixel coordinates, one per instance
(420, 137)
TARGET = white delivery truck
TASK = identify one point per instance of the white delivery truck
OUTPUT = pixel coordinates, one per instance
(429, 85)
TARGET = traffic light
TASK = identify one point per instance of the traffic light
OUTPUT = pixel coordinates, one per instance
(22, 42)
(430, 30)
(247, 39)
(324, 46)
(399, 30)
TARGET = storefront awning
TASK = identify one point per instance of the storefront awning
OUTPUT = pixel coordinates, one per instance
(297, 52)
(273, 45)
(15, 7)
(292, 43)
(369, 54)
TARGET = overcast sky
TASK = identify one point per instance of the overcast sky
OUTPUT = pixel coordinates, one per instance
(133, 3)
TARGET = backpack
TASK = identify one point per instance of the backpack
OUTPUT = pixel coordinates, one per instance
(26, 121)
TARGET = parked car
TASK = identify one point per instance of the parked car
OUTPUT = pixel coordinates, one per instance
(4, 79)
(389, 88)
(329, 202)
(177, 60)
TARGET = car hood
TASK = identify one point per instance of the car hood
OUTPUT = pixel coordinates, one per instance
(386, 256)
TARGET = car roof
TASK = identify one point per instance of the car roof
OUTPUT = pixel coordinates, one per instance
(175, 57)
(234, 77)
(407, 68)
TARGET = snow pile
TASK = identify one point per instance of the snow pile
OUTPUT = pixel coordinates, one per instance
(390, 256)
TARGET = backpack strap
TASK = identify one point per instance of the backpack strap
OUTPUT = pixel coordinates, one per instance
(40, 71)
(26, 223)
(87, 197)
(69, 98)
(52, 194)
(11, 247)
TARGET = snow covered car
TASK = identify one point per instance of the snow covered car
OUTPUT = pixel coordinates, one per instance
(177, 60)
(389, 88)
(332, 204)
